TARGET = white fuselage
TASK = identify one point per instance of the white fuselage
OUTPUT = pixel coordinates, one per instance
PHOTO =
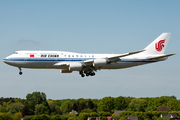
(48, 59)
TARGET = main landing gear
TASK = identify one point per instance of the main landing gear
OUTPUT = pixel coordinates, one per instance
(87, 73)
(20, 73)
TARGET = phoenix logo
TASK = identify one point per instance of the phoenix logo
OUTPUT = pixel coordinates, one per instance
(159, 45)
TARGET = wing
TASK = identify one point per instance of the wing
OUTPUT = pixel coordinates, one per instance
(116, 58)
(92, 64)
(113, 58)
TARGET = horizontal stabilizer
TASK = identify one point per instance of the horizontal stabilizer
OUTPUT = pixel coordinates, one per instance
(159, 57)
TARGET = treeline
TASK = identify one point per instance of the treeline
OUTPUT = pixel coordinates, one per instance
(6, 99)
(37, 105)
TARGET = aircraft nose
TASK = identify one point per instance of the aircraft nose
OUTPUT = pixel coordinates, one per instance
(5, 60)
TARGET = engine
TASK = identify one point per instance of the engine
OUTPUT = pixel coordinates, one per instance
(76, 66)
(99, 62)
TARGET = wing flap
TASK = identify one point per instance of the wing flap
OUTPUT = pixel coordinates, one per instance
(111, 59)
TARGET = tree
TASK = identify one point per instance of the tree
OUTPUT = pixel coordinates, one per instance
(75, 105)
(121, 103)
(94, 110)
(87, 110)
(64, 106)
(71, 118)
(46, 105)
(41, 117)
(95, 102)
(83, 116)
(102, 114)
(36, 98)
(163, 118)
(90, 104)
(28, 108)
(106, 103)
(173, 104)
(15, 107)
(137, 105)
(51, 104)
(40, 109)
(18, 116)
(56, 117)
(154, 103)
(70, 108)
(57, 110)
(82, 106)
(6, 116)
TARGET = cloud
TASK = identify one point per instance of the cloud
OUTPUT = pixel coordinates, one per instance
(28, 42)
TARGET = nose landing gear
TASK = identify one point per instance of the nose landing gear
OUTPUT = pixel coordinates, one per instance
(20, 73)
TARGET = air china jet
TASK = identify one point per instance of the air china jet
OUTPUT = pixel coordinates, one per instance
(87, 64)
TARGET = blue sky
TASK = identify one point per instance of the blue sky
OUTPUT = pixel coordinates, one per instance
(96, 26)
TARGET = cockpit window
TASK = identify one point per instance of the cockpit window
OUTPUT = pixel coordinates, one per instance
(15, 52)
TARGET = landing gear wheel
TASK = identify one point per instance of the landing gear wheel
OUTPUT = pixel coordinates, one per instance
(87, 74)
(92, 74)
(82, 75)
(20, 73)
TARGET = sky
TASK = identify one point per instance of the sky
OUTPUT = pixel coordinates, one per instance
(96, 26)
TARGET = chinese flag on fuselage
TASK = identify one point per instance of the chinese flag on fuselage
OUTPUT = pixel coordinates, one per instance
(31, 55)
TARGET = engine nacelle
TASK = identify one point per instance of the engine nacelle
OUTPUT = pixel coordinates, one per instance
(100, 62)
(76, 66)
(66, 71)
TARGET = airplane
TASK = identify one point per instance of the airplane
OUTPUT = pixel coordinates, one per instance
(88, 64)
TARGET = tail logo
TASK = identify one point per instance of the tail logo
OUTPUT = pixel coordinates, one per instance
(159, 45)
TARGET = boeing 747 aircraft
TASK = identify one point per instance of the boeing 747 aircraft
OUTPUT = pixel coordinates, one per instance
(87, 64)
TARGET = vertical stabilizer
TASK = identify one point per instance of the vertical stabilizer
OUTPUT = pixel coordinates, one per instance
(158, 46)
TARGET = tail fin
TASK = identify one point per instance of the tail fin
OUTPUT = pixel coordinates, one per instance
(158, 46)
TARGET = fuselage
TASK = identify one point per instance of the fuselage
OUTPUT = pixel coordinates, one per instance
(48, 59)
